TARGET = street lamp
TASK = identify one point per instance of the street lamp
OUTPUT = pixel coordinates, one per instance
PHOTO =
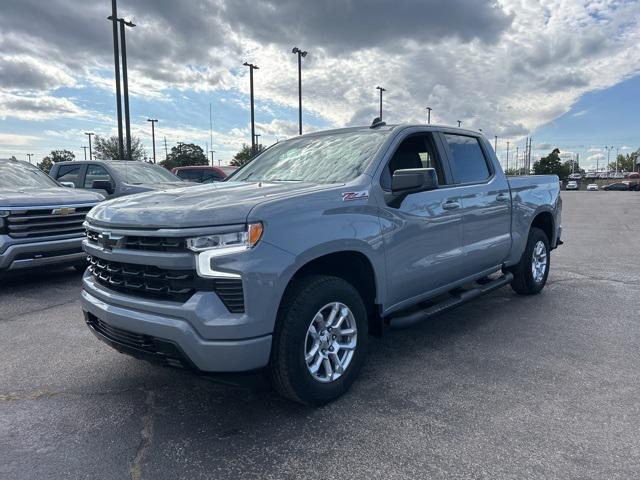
(116, 61)
(495, 143)
(29, 155)
(300, 55)
(89, 135)
(125, 83)
(153, 136)
(507, 156)
(84, 147)
(253, 125)
(212, 152)
(429, 115)
(381, 90)
(459, 123)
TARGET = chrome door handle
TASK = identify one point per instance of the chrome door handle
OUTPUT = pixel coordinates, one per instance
(502, 197)
(451, 205)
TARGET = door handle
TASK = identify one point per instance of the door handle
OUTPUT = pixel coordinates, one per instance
(451, 205)
(502, 197)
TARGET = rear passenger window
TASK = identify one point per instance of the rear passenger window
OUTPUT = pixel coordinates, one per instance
(468, 161)
(69, 173)
(95, 173)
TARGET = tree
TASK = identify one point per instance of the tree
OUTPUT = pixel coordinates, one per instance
(106, 148)
(54, 157)
(551, 165)
(244, 155)
(573, 166)
(183, 155)
(625, 162)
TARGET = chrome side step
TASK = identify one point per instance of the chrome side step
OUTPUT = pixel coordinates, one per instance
(455, 298)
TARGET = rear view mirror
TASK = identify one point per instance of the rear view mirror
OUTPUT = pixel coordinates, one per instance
(413, 180)
(105, 185)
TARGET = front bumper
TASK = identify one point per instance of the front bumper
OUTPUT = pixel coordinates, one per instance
(18, 256)
(175, 326)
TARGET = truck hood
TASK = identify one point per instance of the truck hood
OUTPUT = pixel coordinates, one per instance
(146, 187)
(206, 205)
(32, 197)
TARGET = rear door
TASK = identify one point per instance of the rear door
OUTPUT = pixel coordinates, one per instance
(486, 202)
(423, 232)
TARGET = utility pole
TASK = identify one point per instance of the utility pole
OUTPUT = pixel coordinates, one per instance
(429, 115)
(29, 155)
(125, 83)
(212, 152)
(495, 144)
(381, 90)
(459, 123)
(89, 135)
(84, 147)
(153, 135)
(300, 55)
(166, 151)
(116, 61)
(517, 158)
(252, 67)
(210, 130)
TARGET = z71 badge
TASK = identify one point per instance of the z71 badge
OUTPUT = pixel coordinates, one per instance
(361, 195)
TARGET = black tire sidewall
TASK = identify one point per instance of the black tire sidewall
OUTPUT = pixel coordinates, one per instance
(315, 293)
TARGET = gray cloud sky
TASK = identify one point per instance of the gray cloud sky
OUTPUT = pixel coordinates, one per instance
(506, 67)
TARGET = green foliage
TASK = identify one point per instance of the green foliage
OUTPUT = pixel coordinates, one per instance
(106, 148)
(625, 162)
(244, 155)
(54, 157)
(184, 155)
(552, 165)
(573, 166)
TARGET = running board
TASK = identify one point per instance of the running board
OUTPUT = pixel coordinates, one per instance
(458, 298)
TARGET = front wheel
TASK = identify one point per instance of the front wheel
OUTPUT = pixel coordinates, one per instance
(320, 340)
(530, 274)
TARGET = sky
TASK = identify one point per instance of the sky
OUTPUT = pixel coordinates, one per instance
(564, 72)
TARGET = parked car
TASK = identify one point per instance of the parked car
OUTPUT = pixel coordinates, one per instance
(592, 187)
(617, 186)
(575, 176)
(632, 175)
(572, 185)
(319, 241)
(40, 220)
(203, 174)
(114, 178)
(591, 175)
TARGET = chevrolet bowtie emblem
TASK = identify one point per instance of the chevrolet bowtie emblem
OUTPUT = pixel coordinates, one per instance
(63, 211)
(106, 241)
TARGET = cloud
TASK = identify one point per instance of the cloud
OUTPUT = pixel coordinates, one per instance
(37, 107)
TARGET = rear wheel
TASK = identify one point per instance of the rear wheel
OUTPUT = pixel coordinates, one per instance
(320, 340)
(530, 274)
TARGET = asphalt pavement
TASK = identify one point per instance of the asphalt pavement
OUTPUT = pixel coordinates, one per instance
(504, 387)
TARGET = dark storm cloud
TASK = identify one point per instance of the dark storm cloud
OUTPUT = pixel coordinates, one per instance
(344, 25)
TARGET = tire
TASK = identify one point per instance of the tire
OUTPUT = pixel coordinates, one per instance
(293, 339)
(524, 281)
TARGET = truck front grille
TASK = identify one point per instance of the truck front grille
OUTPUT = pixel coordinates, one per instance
(175, 285)
(46, 222)
(157, 244)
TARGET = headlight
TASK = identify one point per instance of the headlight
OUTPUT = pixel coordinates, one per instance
(226, 243)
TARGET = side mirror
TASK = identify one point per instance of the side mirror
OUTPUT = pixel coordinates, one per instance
(68, 184)
(413, 180)
(105, 185)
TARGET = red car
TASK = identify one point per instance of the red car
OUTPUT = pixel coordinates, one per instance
(203, 173)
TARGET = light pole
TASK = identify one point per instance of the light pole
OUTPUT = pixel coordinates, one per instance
(300, 55)
(517, 158)
(507, 156)
(253, 125)
(381, 90)
(29, 155)
(495, 144)
(89, 135)
(429, 115)
(153, 135)
(116, 61)
(459, 123)
(84, 147)
(212, 152)
(257, 136)
(125, 83)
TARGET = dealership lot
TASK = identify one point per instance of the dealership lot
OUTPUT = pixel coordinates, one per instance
(503, 387)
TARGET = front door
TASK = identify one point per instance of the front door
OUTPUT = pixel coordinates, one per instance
(422, 234)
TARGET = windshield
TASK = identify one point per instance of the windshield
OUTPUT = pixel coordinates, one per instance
(330, 158)
(139, 172)
(22, 175)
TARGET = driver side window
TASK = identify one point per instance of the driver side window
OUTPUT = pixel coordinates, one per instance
(415, 151)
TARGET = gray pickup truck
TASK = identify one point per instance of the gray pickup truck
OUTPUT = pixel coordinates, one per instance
(41, 222)
(318, 242)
